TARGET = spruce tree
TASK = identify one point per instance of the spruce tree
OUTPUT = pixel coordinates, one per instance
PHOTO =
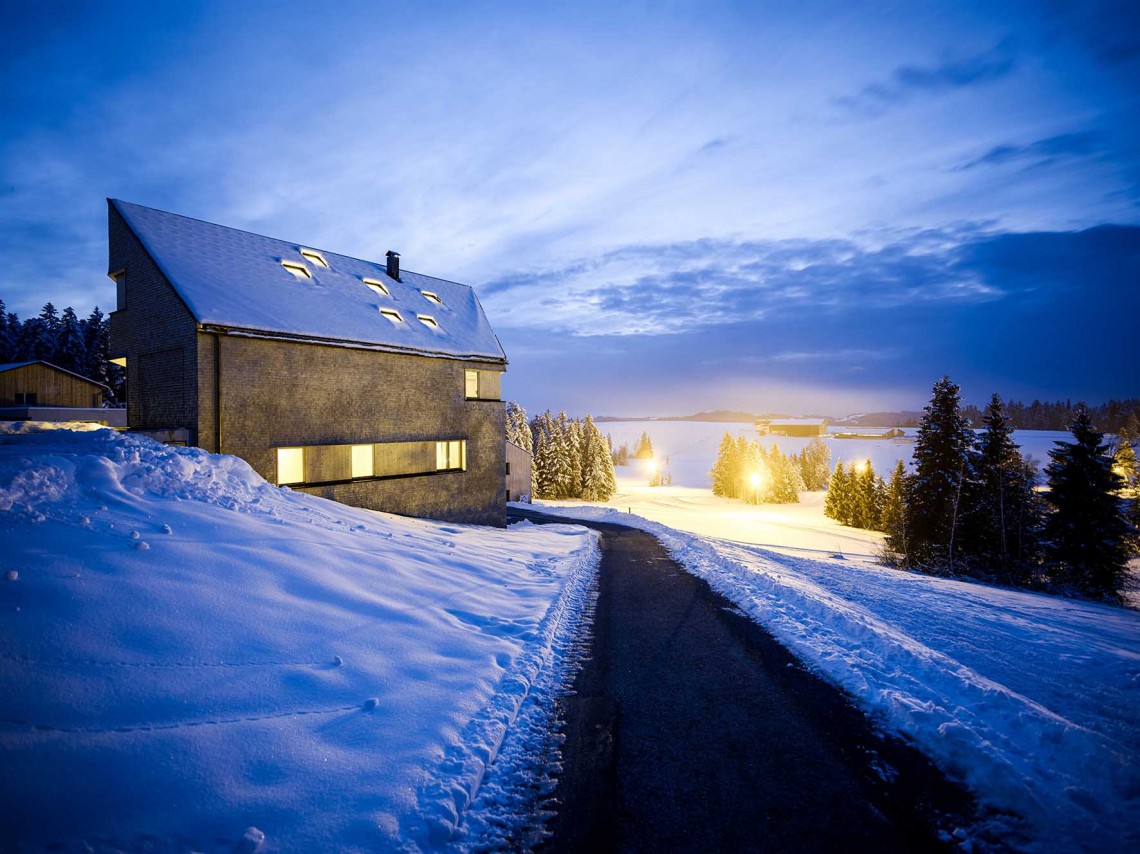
(644, 448)
(1124, 458)
(815, 464)
(835, 505)
(545, 467)
(941, 459)
(724, 471)
(565, 484)
(8, 334)
(1086, 532)
(518, 430)
(1000, 529)
(894, 515)
(598, 481)
(70, 350)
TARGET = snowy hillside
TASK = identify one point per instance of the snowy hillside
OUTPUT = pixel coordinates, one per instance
(1032, 700)
(188, 652)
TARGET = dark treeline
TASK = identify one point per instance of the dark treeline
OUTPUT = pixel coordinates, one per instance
(81, 346)
(571, 458)
(1109, 417)
(971, 506)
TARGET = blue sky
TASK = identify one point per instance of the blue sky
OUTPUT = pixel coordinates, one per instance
(665, 207)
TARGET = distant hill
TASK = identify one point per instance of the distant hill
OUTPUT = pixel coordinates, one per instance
(720, 415)
(726, 416)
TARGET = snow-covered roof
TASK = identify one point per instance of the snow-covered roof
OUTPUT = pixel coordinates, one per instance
(236, 280)
(11, 366)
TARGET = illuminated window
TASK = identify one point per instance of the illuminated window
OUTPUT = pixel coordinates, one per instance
(432, 297)
(362, 461)
(451, 455)
(297, 269)
(315, 257)
(290, 465)
(428, 321)
(471, 382)
(377, 287)
(392, 315)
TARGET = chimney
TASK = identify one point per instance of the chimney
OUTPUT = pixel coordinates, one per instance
(393, 264)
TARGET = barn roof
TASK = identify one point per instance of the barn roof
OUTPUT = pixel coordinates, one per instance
(237, 280)
(11, 366)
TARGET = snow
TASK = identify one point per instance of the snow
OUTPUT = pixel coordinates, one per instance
(1029, 699)
(274, 671)
(234, 279)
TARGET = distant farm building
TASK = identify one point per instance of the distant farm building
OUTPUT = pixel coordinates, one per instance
(40, 391)
(798, 427)
(863, 433)
(519, 463)
(344, 378)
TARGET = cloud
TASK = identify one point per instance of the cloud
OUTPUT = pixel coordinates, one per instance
(910, 81)
(1041, 152)
(804, 325)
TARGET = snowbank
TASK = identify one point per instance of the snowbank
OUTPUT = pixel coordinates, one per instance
(1032, 700)
(188, 651)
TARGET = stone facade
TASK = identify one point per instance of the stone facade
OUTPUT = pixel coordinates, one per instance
(248, 395)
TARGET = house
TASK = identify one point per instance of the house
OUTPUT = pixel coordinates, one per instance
(40, 391)
(519, 464)
(348, 379)
(798, 427)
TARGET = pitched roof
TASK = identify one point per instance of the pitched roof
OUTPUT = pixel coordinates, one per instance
(11, 366)
(235, 280)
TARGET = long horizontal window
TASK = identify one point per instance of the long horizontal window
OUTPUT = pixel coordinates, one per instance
(323, 464)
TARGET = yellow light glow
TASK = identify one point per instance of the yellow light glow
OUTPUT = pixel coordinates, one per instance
(362, 461)
(431, 296)
(297, 269)
(315, 257)
(290, 465)
(377, 286)
(121, 361)
(428, 320)
(754, 479)
(392, 315)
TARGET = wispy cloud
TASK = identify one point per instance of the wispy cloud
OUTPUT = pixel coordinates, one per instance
(1041, 152)
(911, 81)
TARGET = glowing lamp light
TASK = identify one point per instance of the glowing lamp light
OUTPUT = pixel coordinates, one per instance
(754, 479)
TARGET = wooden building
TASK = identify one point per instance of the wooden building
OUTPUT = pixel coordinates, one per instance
(344, 378)
(798, 427)
(40, 391)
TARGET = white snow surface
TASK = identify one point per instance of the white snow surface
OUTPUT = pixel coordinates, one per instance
(191, 657)
(233, 278)
(1032, 700)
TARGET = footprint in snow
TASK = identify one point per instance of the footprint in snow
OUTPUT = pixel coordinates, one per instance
(142, 546)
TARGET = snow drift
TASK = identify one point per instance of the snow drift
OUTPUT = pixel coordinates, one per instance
(188, 652)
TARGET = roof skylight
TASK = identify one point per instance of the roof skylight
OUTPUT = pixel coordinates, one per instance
(377, 286)
(297, 269)
(432, 297)
(392, 315)
(427, 320)
(315, 257)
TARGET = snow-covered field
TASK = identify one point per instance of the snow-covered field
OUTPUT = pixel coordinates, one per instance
(1032, 700)
(187, 651)
(691, 446)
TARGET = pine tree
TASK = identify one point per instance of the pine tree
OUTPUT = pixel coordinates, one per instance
(9, 331)
(544, 466)
(70, 351)
(725, 472)
(598, 481)
(782, 481)
(815, 464)
(565, 484)
(31, 342)
(518, 430)
(644, 448)
(576, 449)
(1124, 458)
(1086, 533)
(894, 515)
(867, 497)
(1000, 529)
(49, 330)
(837, 503)
(941, 457)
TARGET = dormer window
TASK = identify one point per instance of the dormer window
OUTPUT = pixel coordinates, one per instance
(392, 315)
(297, 269)
(377, 287)
(314, 257)
(428, 321)
(431, 296)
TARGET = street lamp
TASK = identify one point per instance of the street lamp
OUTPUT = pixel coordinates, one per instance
(754, 478)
